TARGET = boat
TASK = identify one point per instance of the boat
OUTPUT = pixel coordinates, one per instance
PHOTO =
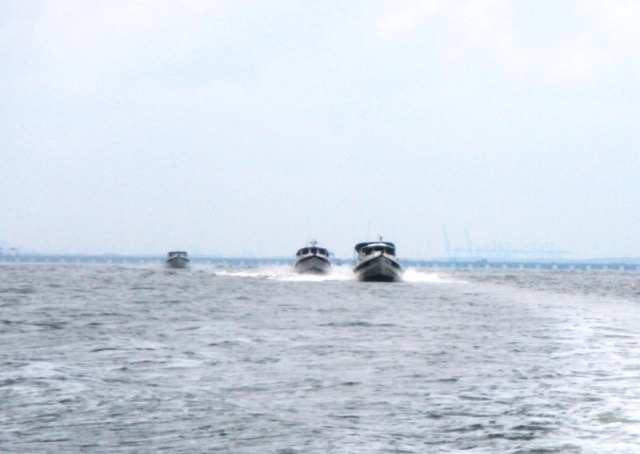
(376, 261)
(312, 259)
(177, 259)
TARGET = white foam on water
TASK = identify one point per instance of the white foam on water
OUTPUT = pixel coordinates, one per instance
(256, 273)
(337, 273)
(431, 277)
(287, 273)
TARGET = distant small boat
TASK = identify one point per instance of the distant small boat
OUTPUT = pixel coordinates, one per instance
(177, 259)
(312, 259)
(377, 261)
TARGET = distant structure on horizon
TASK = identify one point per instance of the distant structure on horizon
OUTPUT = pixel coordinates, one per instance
(6, 250)
(502, 251)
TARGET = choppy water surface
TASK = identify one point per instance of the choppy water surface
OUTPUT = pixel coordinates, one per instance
(113, 359)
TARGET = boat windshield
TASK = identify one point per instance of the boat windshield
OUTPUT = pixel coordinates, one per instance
(378, 248)
(312, 250)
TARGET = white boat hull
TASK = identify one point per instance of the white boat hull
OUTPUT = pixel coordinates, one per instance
(380, 268)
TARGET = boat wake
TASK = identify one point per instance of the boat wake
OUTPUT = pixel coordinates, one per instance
(337, 273)
(287, 273)
(430, 277)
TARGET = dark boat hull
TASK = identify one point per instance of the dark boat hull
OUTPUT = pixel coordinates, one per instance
(378, 269)
(313, 265)
(177, 262)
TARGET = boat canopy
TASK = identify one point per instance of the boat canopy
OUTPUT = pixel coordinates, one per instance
(177, 254)
(384, 244)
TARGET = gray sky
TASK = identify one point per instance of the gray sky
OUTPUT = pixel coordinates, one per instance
(228, 127)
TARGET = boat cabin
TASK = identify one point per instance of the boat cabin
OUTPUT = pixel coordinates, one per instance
(312, 251)
(364, 249)
(176, 254)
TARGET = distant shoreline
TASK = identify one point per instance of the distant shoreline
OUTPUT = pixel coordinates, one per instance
(627, 263)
